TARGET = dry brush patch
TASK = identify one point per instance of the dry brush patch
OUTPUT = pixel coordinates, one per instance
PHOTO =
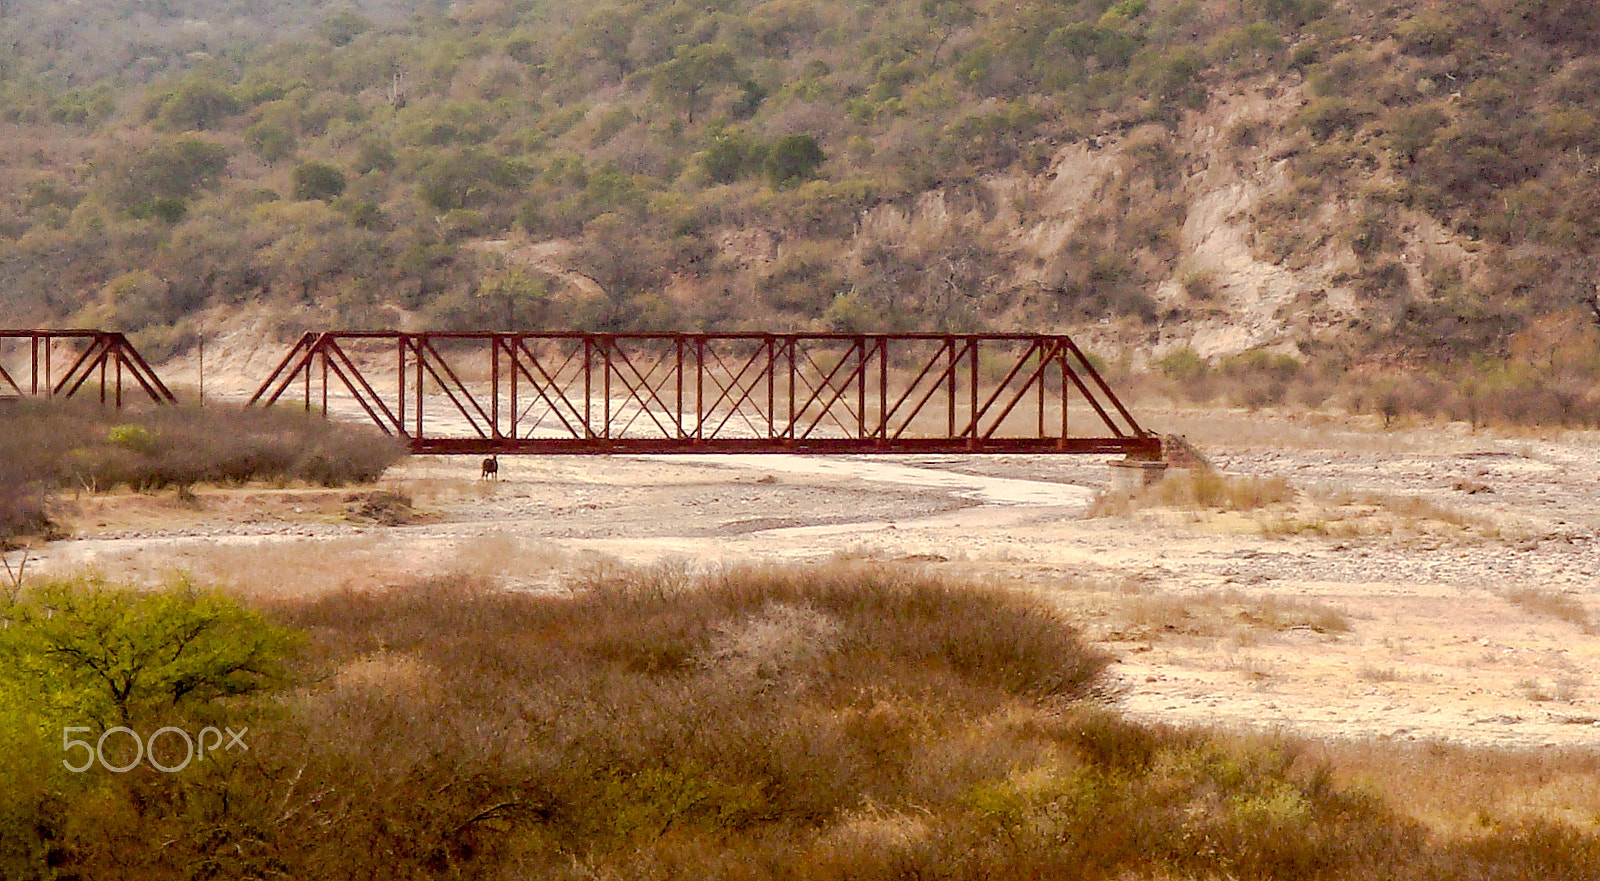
(50, 445)
(24, 502)
(1474, 792)
(1224, 614)
(1344, 515)
(1274, 508)
(845, 722)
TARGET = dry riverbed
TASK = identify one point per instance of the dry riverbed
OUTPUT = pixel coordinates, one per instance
(1429, 582)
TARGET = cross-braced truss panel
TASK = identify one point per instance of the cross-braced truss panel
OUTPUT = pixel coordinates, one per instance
(68, 363)
(596, 393)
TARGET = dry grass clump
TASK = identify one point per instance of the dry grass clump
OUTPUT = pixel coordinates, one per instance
(818, 724)
(1227, 613)
(271, 570)
(1563, 689)
(1552, 604)
(1482, 392)
(1475, 792)
(92, 447)
(1198, 489)
(1416, 508)
(1344, 515)
(387, 507)
(1373, 673)
(1275, 509)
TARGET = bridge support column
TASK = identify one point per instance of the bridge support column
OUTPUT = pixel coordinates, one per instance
(1130, 475)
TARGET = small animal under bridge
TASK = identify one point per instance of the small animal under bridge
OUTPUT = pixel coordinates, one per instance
(596, 393)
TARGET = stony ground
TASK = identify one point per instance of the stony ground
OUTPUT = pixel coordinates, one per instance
(1423, 582)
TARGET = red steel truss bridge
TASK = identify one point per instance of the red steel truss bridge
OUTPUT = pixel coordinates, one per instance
(571, 392)
(66, 363)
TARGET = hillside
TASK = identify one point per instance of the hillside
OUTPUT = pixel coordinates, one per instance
(1311, 195)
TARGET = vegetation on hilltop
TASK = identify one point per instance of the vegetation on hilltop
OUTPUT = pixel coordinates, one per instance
(714, 164)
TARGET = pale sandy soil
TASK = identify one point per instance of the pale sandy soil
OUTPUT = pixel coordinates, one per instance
(1386, 610)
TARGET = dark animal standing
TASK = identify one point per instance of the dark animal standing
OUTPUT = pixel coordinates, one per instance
(491, 468)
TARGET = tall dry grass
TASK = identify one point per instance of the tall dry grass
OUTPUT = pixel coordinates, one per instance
(151, 448)
(1555, 390)
(1552, 604)
(1473, 792)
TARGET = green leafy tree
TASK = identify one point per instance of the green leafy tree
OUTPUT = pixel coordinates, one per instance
(374, 156)
(134, 300)
(731, 156)
(609, 188)
(465, 179)
(171, 170)
(692, 70)
(1296, 13)
(317, 180)
(120, 656)
(342, 27)
(198, 103)
(519, 298)
(945, 17)
(163, 208)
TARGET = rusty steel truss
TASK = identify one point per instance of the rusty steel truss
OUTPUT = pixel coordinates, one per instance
(572, 392)
(94, 360)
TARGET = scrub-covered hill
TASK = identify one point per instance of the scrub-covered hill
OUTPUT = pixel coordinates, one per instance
(1297, 191)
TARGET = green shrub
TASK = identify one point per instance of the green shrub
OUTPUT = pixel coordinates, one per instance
(1182, 364)
(317, 180)
(170, 170)
(134, 438)
(272, 141)
(733, 155)
(792, 159)
(465, 179)
(197, 103)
